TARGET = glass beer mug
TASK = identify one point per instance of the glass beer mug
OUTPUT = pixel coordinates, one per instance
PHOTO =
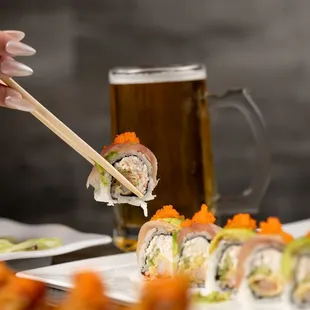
(169, 110)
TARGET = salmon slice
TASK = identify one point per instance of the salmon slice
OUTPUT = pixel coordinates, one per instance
(249, 247)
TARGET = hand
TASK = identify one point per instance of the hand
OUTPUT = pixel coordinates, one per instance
(10, 46)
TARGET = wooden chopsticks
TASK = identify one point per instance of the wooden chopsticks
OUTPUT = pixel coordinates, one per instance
(71, 138)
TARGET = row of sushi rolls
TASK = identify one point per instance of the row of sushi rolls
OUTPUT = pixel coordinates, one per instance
(254, 265)
(258, 265)
(249, 262)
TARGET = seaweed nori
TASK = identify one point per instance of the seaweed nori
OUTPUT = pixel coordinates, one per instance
(217, 274)
(254, 294)
(145, 266)
(302, 304)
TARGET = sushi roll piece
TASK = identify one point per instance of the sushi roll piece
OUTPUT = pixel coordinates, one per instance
(156, 247)
(296, 269)
(194, 242)
(259, 277)
(224, 252)
(135, 162)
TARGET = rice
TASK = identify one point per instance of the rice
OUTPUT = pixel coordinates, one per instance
(193, 257)
(156, 258)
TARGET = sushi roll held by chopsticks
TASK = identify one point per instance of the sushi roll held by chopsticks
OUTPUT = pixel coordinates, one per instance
(157, 245)
(259, 278)
(135, 162)
(296, 269)
(224, 252)
(194, 243)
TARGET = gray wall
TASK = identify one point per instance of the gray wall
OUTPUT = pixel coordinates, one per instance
(263, 45)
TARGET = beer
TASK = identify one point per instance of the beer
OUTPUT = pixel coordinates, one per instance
(167, 109)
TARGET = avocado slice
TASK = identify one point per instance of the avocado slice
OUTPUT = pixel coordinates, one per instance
(109, 157)
(232, 233)
(174, 221)
(294, 248)
(100, 169)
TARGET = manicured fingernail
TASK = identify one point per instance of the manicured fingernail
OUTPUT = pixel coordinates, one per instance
(15, 48)
(17, 35)
(14, 100)
(15, 68)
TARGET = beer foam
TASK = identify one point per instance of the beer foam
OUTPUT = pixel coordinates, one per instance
(144, 75)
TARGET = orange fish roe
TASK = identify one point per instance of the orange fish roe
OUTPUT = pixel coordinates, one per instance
(166, 212)
(203, 216)
(241, 220)
(126, 137)
(187, 223)
(274, 227)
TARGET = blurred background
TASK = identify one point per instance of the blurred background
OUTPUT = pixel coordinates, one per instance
(261, 45)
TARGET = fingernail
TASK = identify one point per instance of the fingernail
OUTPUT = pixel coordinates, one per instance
(17, 35)
(15, 48)
(14, 100)
(15, 68)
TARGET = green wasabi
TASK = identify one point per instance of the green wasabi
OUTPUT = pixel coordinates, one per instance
(213, 297)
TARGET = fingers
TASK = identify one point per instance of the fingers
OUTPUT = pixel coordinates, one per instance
(10, 98)
(11, 67)
(15, 34)
(10, 45)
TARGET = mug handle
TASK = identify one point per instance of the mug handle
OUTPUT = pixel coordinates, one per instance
(249, 200)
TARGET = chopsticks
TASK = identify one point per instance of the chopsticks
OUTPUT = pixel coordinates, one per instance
(71, 138)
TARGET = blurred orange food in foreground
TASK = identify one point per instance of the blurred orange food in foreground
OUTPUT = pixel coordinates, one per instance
(88, 293)
(23, 294)
(165, 294)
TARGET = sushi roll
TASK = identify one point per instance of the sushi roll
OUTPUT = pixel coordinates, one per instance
(224, 252)
(136, 162)
(259, 277)
(156, 247)
(296, 269)
(193, 242)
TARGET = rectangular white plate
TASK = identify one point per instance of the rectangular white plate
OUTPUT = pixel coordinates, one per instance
(72, 240)
(118, 271)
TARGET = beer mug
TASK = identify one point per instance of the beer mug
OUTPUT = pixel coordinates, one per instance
(169, 110)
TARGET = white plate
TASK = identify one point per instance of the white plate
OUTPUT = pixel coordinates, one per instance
(72, 240)
(114, 269)
(120, 272)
